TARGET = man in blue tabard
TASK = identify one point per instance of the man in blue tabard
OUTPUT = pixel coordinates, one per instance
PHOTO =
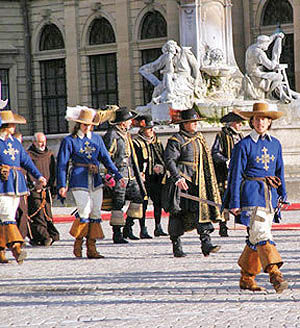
(255, 183)
(86, 150)
(13, 158)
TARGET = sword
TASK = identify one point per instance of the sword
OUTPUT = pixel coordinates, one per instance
(201, 200)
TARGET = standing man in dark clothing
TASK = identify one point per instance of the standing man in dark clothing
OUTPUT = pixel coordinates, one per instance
(150, 153)
(119, 143)
(221, 152)
(43, 230)
(190, 165)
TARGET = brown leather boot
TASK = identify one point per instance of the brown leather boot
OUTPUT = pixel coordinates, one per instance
(247, 281)
(250, 266)
(18, 253)
(91, 250)
(276, 278)
(3, 258)
(77, 250)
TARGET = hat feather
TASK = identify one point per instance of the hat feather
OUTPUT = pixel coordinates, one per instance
(74, 112)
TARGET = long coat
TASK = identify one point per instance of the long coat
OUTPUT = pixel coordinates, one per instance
(188, 156)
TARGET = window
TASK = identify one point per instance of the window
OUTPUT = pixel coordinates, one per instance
(104, 80)
(154, 26)
(51, 38)
(53, 82)
(103, 67)
(101, 32)
(277, 12)
(54, 95)
(280, 13)
(4, 91)
(149, 55)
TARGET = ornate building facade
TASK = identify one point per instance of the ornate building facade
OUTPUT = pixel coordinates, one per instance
(68, 52)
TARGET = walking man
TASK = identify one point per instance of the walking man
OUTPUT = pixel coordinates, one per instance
(255, 183)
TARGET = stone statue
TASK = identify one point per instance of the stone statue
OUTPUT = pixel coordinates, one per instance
(181, 82)
(266, 78)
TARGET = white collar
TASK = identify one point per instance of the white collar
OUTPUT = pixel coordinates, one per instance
(3, 136)
(255, 136)
(81, 135)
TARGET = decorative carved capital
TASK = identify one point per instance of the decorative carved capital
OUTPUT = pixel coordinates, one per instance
(96, 6)
(46, 13)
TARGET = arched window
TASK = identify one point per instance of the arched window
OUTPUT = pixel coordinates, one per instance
(277, 12)
(103, 67)
(280, 13)
(53, 82)
(51, 38)
(153, 26)
(101, 32)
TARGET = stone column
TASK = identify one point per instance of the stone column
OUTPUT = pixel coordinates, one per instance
(124, 55)
(173, 19)
(297, 43)
(72, 51)
(189, 18)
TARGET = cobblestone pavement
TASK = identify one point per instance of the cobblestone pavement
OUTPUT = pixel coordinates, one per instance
(142, 285)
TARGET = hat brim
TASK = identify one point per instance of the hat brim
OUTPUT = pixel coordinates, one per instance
(274, 115)
(133, 116)
(17, 119)
(191, 120)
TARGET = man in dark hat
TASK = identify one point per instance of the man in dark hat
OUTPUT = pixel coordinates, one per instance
(190, 165)
(150, 153)
(255, 183)
(221, 153)
(119, 143)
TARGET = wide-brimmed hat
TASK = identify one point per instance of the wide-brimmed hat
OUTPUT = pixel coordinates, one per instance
(7, 116)
(263, 109)
(144, 121)
(189, 115)
(234, 116)
(123, 114)
(83, 115)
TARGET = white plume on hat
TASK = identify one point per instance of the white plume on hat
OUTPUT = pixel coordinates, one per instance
(74, 112)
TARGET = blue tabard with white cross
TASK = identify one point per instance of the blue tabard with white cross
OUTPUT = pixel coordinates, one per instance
(255, 159)
(84, 151)
(13, 154)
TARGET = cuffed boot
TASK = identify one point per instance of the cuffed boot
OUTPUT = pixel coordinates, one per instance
(77, 250)
(91, 252)
(18, 253)
(127, 231)
(271, 262)
(3, 258)
(177, 248)
(276, 279)
(206, 245)
(250, 266)
(223, 232)
(118, 236)
(144, 233)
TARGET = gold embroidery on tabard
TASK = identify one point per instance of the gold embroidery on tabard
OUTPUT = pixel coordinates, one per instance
(265, 158)
(88, 150)
(11, 151)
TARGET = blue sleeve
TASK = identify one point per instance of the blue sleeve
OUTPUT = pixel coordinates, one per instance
(237, 167)
(27, 163)
(63, 157)
(106, 160)
(279, 172)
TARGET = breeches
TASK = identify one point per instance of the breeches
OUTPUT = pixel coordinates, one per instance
(88, 203)
(260, 226)
(131, 192)
(8, 208)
